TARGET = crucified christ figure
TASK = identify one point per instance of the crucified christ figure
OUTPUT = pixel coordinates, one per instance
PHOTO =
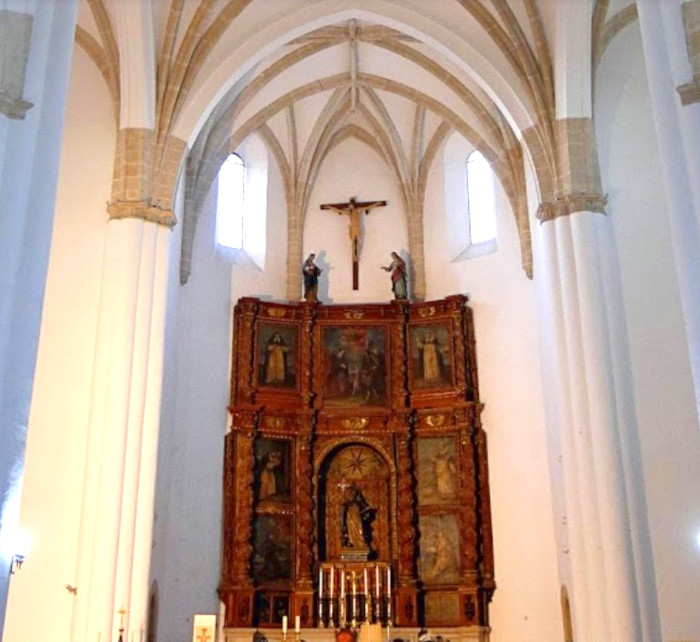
(353, 209)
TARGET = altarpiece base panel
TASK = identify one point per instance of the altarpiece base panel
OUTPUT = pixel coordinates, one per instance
(355, 476)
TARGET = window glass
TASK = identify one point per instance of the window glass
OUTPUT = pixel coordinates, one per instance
(481, 199)
(229, 203)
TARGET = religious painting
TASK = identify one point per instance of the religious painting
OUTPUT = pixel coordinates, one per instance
(441, 609)
(272, 470)
(437, 470)
(356, 505)
(354, 366)
(272, 548)
(439, 549)
(431, 355)
(277, 355)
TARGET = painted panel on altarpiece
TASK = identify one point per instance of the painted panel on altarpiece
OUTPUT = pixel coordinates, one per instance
(272, 470)
(439, 549)
(354, 366)
(441, 609)
(431, 355)
(437, 471)
(277, 355)
(272, 548)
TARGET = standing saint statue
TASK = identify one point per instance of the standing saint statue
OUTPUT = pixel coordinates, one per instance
(399, 276)
(311, 272)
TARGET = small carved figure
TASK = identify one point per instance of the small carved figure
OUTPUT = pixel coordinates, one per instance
(311, 272)
(399, 276)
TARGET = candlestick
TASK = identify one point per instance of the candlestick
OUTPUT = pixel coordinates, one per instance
(343, 606)
(320, 597)
(297, 624)
(388, 596)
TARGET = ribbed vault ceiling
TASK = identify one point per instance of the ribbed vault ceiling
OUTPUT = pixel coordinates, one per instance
(305, 76)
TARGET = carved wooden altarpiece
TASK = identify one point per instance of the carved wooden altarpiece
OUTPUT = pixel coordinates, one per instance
(355, 475)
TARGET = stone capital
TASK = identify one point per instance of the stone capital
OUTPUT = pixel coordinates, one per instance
(143, 210)
(15, 38)
(570, 204)
(13, 107)
(690, 92)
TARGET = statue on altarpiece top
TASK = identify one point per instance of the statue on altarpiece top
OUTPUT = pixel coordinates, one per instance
(399, 276)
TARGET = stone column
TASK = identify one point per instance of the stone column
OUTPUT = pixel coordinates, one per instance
(668, 61)
(36, 45)
(117, 509)
(604, 550)
(416, 245)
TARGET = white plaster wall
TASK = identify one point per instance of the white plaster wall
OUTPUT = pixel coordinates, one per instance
(526, 602)
(52, 489)
(187, 534)
(187, 530)
(352, 169)
(664, 397)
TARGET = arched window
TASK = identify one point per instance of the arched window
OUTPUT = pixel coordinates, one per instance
(481, 202)
(230, 203)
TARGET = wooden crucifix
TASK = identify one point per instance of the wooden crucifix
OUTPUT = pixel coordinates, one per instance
(353, 209)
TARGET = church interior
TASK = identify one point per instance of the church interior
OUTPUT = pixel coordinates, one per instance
(345, 406)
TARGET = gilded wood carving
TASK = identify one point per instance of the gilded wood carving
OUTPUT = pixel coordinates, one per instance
(356, 444)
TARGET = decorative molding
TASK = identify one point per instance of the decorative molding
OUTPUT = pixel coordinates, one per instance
(355, 423)
(15, 39)
(435, 420)
(143, 210)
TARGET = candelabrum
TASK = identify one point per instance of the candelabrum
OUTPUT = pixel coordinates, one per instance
(352, 596)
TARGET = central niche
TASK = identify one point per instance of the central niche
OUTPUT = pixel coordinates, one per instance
(354, 516)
